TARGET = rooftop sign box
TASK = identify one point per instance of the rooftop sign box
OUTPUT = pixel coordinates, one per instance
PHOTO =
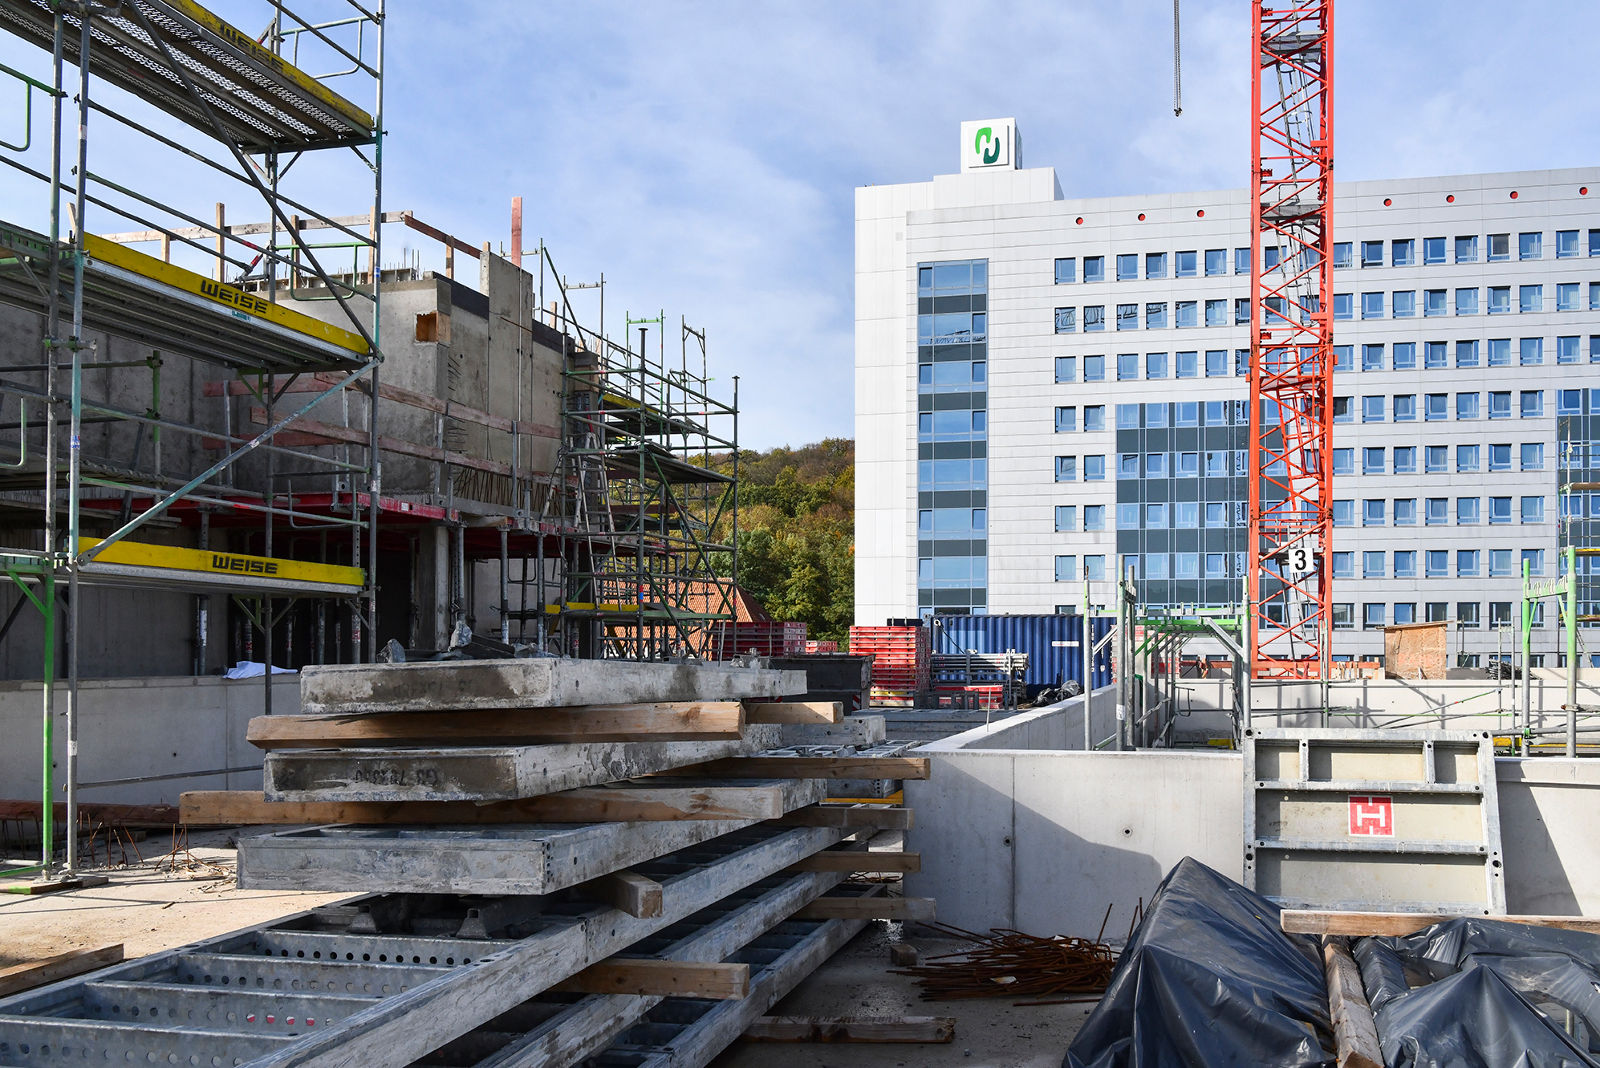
(990, 143)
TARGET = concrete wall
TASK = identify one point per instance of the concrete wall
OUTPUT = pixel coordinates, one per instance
(141, 727)
(1044, 840)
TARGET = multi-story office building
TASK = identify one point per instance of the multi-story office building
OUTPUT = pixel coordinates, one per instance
(1050, 388)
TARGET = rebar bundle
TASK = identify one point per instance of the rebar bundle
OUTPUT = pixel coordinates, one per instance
(1008, 963)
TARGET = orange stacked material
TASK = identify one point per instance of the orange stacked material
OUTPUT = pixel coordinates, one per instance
(900, 661)
(821, 647)
(762, 639)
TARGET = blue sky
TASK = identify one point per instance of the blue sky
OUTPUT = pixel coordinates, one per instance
(704, 155)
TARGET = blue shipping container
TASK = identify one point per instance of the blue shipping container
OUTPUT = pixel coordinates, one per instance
(1054, 643)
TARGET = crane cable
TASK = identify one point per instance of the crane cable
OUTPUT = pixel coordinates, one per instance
(1177, 65)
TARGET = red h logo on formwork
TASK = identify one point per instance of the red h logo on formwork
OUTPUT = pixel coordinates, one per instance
(1371, 816)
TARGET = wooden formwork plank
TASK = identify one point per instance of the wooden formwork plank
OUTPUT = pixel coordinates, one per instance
(794, 711)
(868, 908)
(1399, 924)
(855, 817)
(656, 722)
(1354, 1032)
(20, 977)
(862, 860)
(628, 891)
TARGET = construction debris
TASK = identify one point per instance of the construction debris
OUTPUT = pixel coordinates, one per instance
(1009, 963)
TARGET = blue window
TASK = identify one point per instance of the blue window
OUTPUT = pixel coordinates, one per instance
(1127, 417)
(1567, 349)
(1499, 247)
(1128, 516)
(1241, 261)
(1437, 511)
(1343, 254)
(1094, 417)
(1404, 302)
(1372, 409)
(1499, 510)
(1372, 305)
(1500, 563)
(1066, 568)
(1499, 352)
(1066, 270)
(1433, 302)
(1434, 354)
(1185, 313)
(1500, 404)
(1094, 568)
(1188, 364)
(1127, 316)
(1467, 563)
(1344, 461)
(1373, 615)
(1094, 468)
(1594, 296)
(1094, 268)
(1403, 252)
(1094, 517)
(1216, 313)
(1466, 354)
(1127, 465)
(1500, 457)
(1343, 410)
(1533, 456)
(1467, 511)
(1155, 264)
(1344, 358)
(1155, 365)
(1216, 464)
(1530, 298)
(1466, 458)
(1405, 612)
(1066, 368)
(1216, 262)
(1066, 517)
(1432, 250)
(1467, 249)
(1155, 465)
(1437, 563)
(1155, 415)
(1499, 300)
(1066, 320)
(1187, 264)
(1094, 368)
(1372, 460)
(1217, 362)
(1344, 565)
(1405, 459)
(1568, 297)
(1216, 565)
(1405, 560)
(1467, 405)
(1344, 513)
(1405, 512)
(1066, 469)
(1216, 515)
(1372, 253)
(1533, 509)
(1532, 402)
(1531, 351)
(1094, 318)
(1066, 420)
(1374, 564)
(1467, 301)
(1530, 246)
(1372, 512)
(1155, 516)
(1372, 357)
(1127, 267)
(1405, 355)
(1436, 459)
(1186, 515)
(1155, 316)
(1533, 559)
(1344, 306)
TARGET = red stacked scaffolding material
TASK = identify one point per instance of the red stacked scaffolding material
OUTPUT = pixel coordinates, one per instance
(821, 647)
(761, 639)
(900, 661)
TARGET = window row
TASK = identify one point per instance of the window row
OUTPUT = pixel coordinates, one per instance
(1436, 563)
(1465, 300)
(1468, 616)
(1436, 511)
(1214, 363)
(1436, 355)
(1180, 515)
(1435, 407)
(1435, 459)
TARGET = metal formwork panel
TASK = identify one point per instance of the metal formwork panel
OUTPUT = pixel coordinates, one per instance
(1388, 820)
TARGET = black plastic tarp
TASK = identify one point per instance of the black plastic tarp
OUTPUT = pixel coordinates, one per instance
(1478, 992)
(1209, 979)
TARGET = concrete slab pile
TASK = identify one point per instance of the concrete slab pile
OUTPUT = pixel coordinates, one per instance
(516, 920)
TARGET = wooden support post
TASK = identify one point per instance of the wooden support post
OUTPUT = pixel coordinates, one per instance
(20, 977)
(825, 767)
(794, 711)
(628, 891)
(662, 978)
(861, 860)
(1355, 1034)
(868, 908)
(1399, 924)
(921, 1029)
(855, 817)
(662, 721)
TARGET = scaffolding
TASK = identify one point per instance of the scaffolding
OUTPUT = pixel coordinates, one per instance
(208, 99)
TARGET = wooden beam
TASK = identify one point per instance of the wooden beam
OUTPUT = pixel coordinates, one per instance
(628, 891)
(590, 804)
(861, 860)
(20, 977)
(922, 1029)
(794, 711)
(868, 908)
(718, 981)
(855, 817)
(1331, 922)
(1355, 1034)
(664, 721)
(826, 767)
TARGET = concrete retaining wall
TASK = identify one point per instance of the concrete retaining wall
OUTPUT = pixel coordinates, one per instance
(1044, 839)
(141, 727)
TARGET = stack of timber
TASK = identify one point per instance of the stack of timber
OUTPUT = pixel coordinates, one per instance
(548, 880)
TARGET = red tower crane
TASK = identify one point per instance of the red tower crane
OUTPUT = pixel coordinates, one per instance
(1291, 341)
